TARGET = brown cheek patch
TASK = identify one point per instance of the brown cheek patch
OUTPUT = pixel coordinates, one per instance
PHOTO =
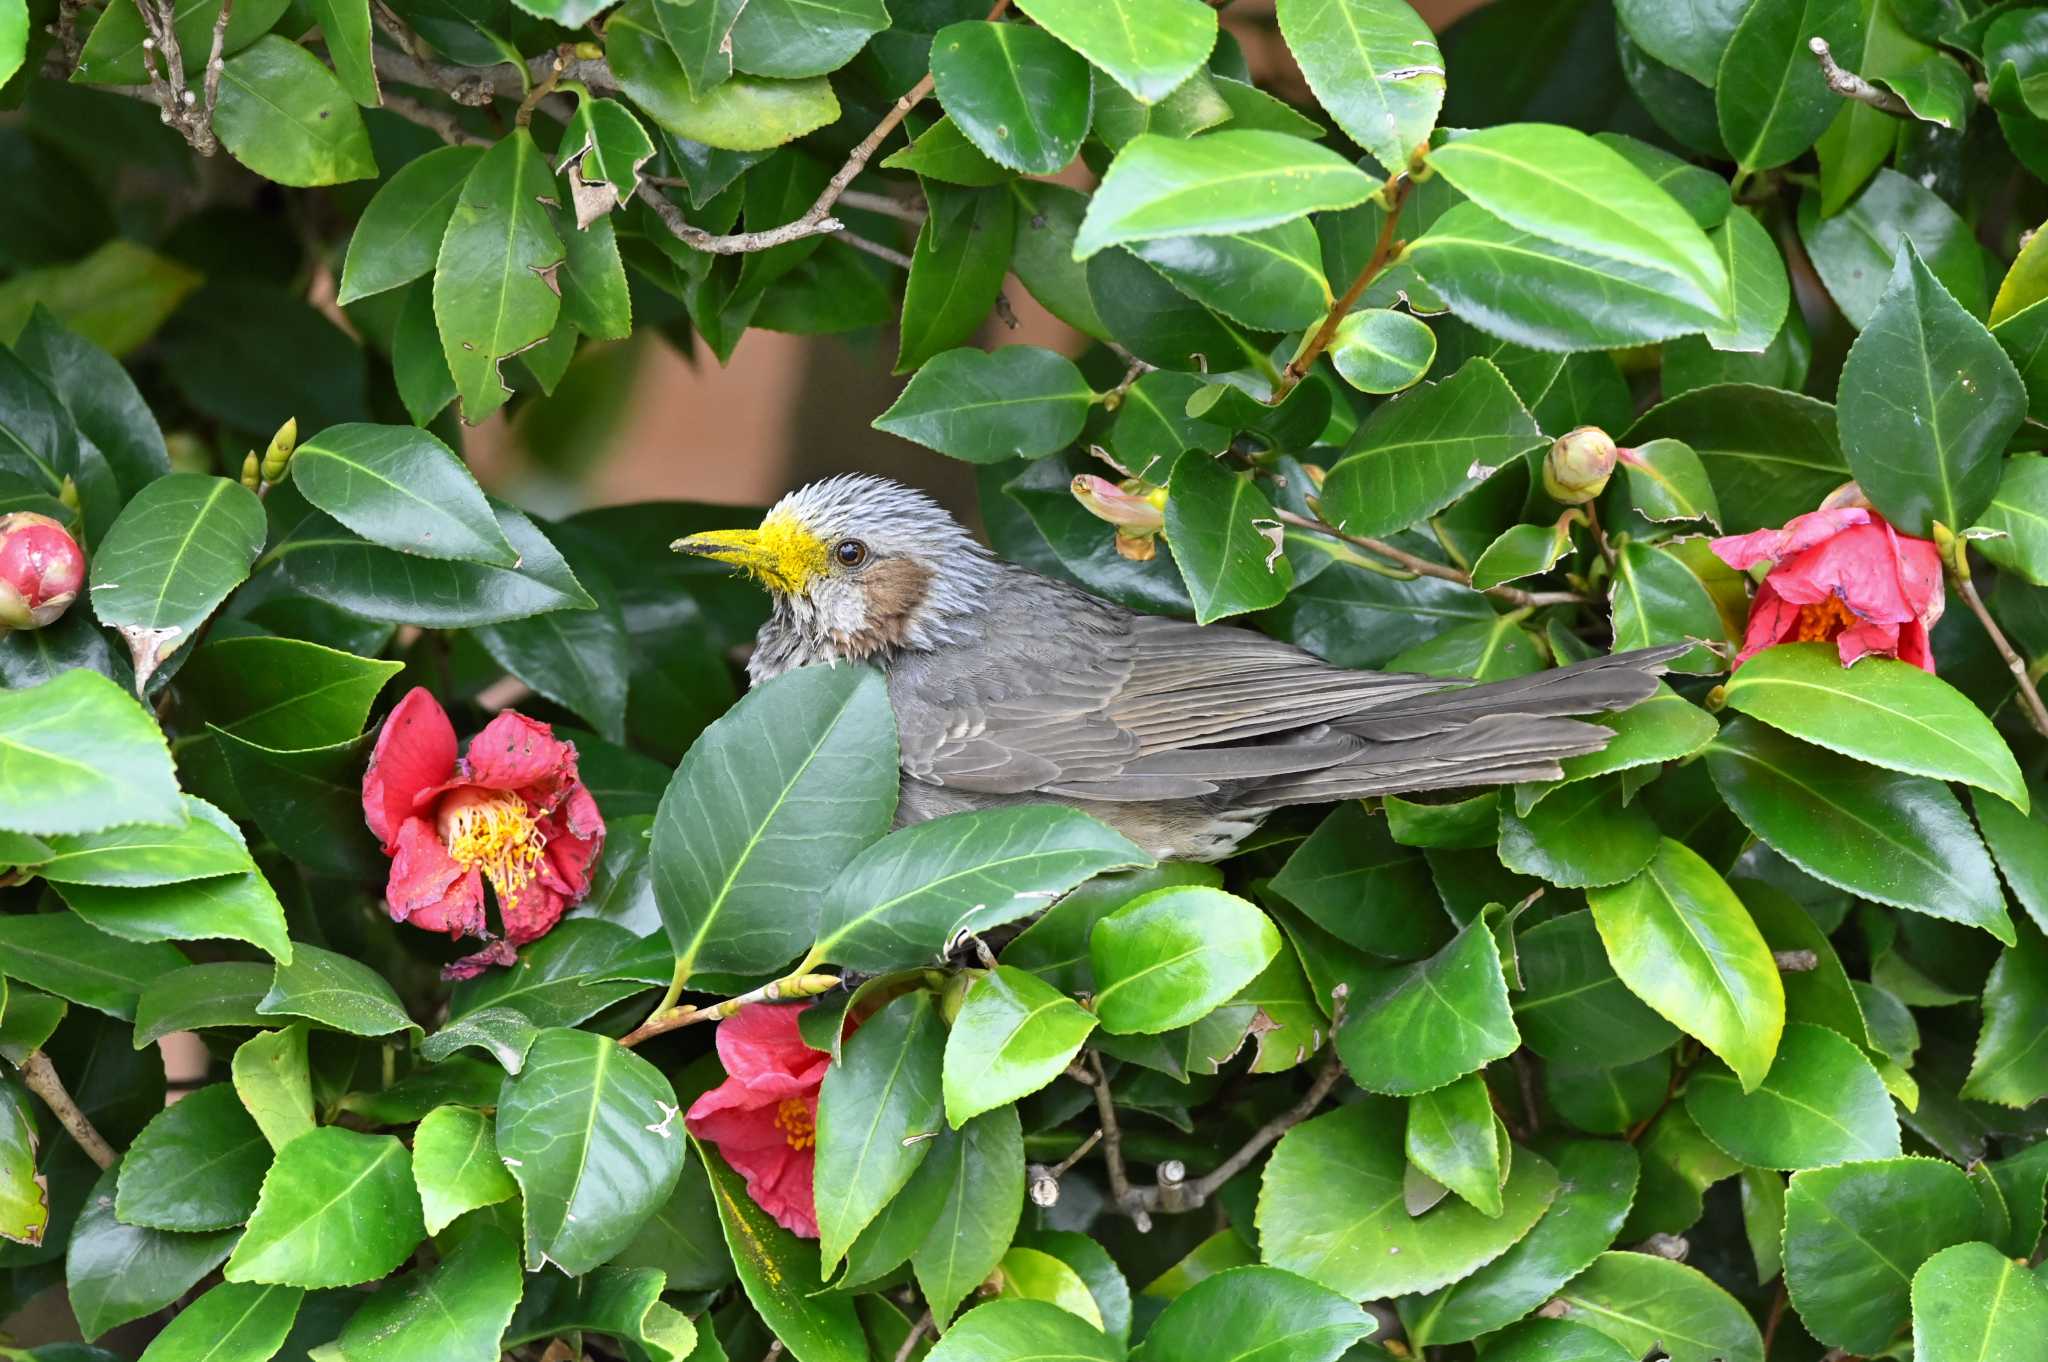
(895, 588)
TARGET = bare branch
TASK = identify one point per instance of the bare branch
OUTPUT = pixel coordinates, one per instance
(1395, 193)
(40, 1077)
(1956, 556)
(1849, 85)
(886, 204)
(874, 248)
(1127, 1197)
(443, 122)
(917, 1331)
(1422, 567)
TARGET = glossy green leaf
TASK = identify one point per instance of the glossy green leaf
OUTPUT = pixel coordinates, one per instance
(232, 1322)
(456, 1309)
(274, 1082)
(779, 1274)
(1225, 182)
(103, 400)
(113, 50)
(2018, 514)
(1020, 1330)
(138, 854)
(1855, 1234)
(338, 1208)
(345, 27)
(284, 115)
(2010, 1066)
(956, 270)
(455, 1165)
(1856, 250)
(61, 954)
(1169, 958)
(1684, 944)
(1521, 551)
(1770, 95)
(79, 756)
(568, 976)
(1374, 65)
(1223, 531)
(1417, 1027)
(1584, 835)
(1771, 454)
(1657, 598)
(738, 862)
(1020, 401)
(978, 1174)
(735, 112)
(877, 1107)
(196, 1166)
(1017, 92)
(400, 487)
(1256, 1314)
(1972, 1302)
(1644, 1302)
(589, 1130)
(699, 34)
(796, 38)
(1453, 1136)
(200, 996)
(24, 1197)
(1928, 400)
(1148, 46)
(114, 1273)
(1330, 1208)
(1378, 350)
(1270, 279)
(1418, 453)
(491, 282)
(1014, 1034)
(1690, 35)
(336, 991)
(1572, 1008)
(943, 153)
(283, 692)
(1821, 1103)
(1667, 481)
(177, 549)
(1357, 883)
(1195, 105)
(1897, 839)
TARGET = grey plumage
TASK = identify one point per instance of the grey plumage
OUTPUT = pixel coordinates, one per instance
(1010, 687)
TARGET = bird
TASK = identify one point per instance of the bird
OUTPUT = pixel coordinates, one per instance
(1011, 687)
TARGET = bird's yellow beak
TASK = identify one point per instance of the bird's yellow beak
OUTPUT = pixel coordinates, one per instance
(781, 554)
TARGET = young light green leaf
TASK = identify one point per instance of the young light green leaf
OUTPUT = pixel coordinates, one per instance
(284, 115)
(1374, 65)
(337, 1208)
(78, 756)
(274, 1081)
(1972, 1302)
(1015, 1034)
(456, 1310)
(1150, 47)
(232, 1322)
(1644, 1302)
(1378, 350)
(456, 1167)
(1416, 1027)
(1171, 957)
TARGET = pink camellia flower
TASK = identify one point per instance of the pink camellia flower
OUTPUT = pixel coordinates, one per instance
(1841, 574)
(510, 811)
(764, 1117)
(41, 570)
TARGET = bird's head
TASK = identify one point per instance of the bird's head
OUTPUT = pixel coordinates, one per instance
(859, 564)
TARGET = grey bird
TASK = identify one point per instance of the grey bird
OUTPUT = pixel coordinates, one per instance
(1012, 688)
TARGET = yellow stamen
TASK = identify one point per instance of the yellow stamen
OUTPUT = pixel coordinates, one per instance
(496, 833)
(793, 1118)
(1823, 621)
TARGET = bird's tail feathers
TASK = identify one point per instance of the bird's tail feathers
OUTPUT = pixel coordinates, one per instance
(1496, 749)
(1594, 686)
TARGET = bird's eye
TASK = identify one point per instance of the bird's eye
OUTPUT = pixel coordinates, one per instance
(850, 553)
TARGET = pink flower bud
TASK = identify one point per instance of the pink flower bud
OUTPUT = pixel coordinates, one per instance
(41, 570)
(1578, 465)
(1124, 506)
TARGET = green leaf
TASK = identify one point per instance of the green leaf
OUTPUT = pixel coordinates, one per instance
(1690, 36)
(1572, 1008)
(456, 1309)
(24, 1198)
(1972, 1302)
(307, 802)
(282, 693)
(1223, 532)
(503, 1033)
(1416, 1027)
(793, 38)
(603, 147)
(943, 153)
(1330, 1208)
(284, 115)
(1770, 96)
(1374, 65)
(1667, 481)
(1270, 279)
(455, 1165)
(732, 113)
(574, 972)
(175, 552)
(1021, 1330)
(419, 369)
(1016, 92)
(1561, 185)
(1759, 291)
(134, 854)
(491, 282)
(400, 487)
(1882, 712)
(113, 50)
(197, 997)
(1222, 183)
(581, 659)
(1195, 105)
(2016, 58)
(1256, 1314)
(1855, 1234)
(1147, 46)
(1378, 350)
(1656, 598)
(30, 1021)
(626, 1304)
(1454, 1137)
(1543, 1339)
(345, 27)
(1170, 957)
(1418, 453)
(1821, 1103)
(1586, 835)
(103, 400)
(232, 1322)
(779, 1273)
(59, 953)
(738, 863)
(699, 34)
(1535, 292)
(1596, 1183)
(2018, 516)
(338, 1208)
(1357, 883)
(956, 270)
(1856, 249)
(1014, 1034)
(336, 991)
(877, 1107)
(588, 1129)
(1684, 944)
(114, 1272)
(2009, 1066)
(1771, 454)
(1928, 400)
(275, 1084)
(1897, 839)
(979, 1169)
(1019, 402)
(1644, 1302)
(1521, 551)
(79, 756)
(197, 1165)
(240, 907)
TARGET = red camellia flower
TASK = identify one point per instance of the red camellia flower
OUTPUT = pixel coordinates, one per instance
(511, 811)
(764, 1117)
(1841, 574)
(41, 570)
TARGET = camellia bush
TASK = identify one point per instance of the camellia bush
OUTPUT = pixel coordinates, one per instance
(564, 997)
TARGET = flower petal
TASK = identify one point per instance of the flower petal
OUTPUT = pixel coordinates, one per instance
(415, 751)
(532, 913)
(1868, 638)
(1859, 565)
(430, 889)
(1743, 551)
(1772, 619)
(515, 753)
(762, 1038)
(469, 966)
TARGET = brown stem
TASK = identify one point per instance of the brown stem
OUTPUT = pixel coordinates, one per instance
(1396, 193)
(775, 991)
(443, 122)
(874, 248)
(41, 1078)
(1959, 574)
(1849, 85)
(543, 87)
(1422, 567)
(917, 1331)
(1127, 1197)
(888, 205)
(1771, 1321)
(214, 67)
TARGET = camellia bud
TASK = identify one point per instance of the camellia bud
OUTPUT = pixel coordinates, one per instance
(252, 471)
(1578, 465)
(41, 570)
(1137, 509)
(277, 459)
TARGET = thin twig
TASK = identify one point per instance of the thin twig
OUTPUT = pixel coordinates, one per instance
(544, 87)
(1211, 1182)
(1777, 1315)
(874, 248)
(775, 991)
(1422, 567)
(1849, 85)
(1396, 193)
(40, 1076)
(917, 1331)
(214, 65)
(443, 122)
(888, 205)
(1127, 1197)
(1958, 561)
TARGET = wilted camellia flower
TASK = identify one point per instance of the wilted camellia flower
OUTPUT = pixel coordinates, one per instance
(510, 811)
(764, 1117)
(41, 570)
(1841, 574)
